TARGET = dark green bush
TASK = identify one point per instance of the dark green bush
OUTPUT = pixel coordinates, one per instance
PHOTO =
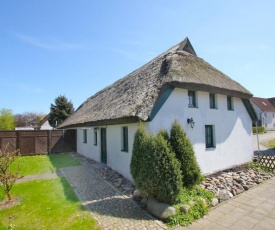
(183, 149)
(139, 151)
(164, 133)
(158, 173)
(260, 129)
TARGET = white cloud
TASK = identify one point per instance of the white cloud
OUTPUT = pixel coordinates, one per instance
(48, 43)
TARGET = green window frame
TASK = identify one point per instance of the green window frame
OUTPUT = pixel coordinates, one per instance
(191, 98)
(209, 136)
(95, 137)
(125, 141)
(229, 103)
(84, 135)
(212, 101)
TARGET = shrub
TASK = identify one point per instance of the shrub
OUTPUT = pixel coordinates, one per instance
(164, 133)
(183, 149)
(7, 176)
(155, 169)
(260, 129)
(139, 151)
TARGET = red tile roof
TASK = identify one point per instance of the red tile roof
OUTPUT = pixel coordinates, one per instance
(263, 103)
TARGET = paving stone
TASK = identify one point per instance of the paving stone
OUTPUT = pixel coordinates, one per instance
(111, 208)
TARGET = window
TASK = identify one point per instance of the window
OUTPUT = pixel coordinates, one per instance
(125, 139)
(95, 136)
(273, 115)
(84, 135)
(209, 136)
(229, 103)
(212, 100)
(191, 98)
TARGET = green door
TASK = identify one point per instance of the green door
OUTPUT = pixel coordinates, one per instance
(103, 145)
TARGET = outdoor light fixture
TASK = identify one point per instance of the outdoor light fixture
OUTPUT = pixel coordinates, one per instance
(191, 122)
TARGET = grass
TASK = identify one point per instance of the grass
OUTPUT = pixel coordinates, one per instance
(198, 199)
(46, 204)
(40, 164)
(269, 144)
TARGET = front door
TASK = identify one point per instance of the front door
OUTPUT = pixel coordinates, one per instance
(103, 145)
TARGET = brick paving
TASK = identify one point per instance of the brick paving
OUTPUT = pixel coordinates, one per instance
(111, 208)
(253, 209)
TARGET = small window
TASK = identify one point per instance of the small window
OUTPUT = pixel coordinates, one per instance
(229, 103)
(273, 115)
(124, 139)
(84, 135)
(212, 100)
(95, 136)
(209, 136)
(191, 99)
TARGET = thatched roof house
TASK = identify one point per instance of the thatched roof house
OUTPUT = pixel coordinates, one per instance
(134, 97)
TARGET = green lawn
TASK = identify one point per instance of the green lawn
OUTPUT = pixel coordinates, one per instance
(46, 204)
(40, 164)
(269, 144)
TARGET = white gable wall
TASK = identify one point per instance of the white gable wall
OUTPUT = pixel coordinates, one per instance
(232, 129)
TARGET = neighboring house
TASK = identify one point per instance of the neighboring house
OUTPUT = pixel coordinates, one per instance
(175, 85)
(25, 128)
(44, 123)
(265, 109)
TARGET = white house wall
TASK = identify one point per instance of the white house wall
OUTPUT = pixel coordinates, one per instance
(88, 149)
(232, 129)
(116, 158)
(267, 118)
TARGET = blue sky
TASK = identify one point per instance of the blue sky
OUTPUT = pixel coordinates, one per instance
(75, 48)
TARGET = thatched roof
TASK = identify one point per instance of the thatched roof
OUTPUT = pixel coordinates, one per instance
(133, 97)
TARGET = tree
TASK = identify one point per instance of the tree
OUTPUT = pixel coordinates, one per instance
(6, 119)
(28, 119)
(183, 149)
(8, 176)
(60, 111)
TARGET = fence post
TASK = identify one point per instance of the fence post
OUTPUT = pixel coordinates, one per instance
(49, 141)
(18, 136)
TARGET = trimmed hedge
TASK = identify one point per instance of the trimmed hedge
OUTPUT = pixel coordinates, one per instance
(260, 129)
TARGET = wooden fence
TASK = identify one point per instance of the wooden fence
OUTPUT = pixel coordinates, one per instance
(32, 142)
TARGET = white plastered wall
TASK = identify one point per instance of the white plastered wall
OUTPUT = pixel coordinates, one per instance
(88, 149)
(232, 129)
(116, 158)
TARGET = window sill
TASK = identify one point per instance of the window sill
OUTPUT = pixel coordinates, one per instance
(84, 142)
(210, 149)
(214, 108)
(195, 107)
(95, 144)
(230, 109)
(124, 150)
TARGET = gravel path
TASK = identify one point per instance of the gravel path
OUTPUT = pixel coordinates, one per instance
(109, 206)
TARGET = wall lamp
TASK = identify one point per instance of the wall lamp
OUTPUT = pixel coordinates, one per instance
(191, 122)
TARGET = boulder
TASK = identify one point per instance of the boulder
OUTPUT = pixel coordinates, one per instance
(215, 201)
(185, 208)
(160, 210)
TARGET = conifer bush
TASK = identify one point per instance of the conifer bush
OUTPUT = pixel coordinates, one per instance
(164, 133)
(154, 168)
(139, 152)
(183, 149)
